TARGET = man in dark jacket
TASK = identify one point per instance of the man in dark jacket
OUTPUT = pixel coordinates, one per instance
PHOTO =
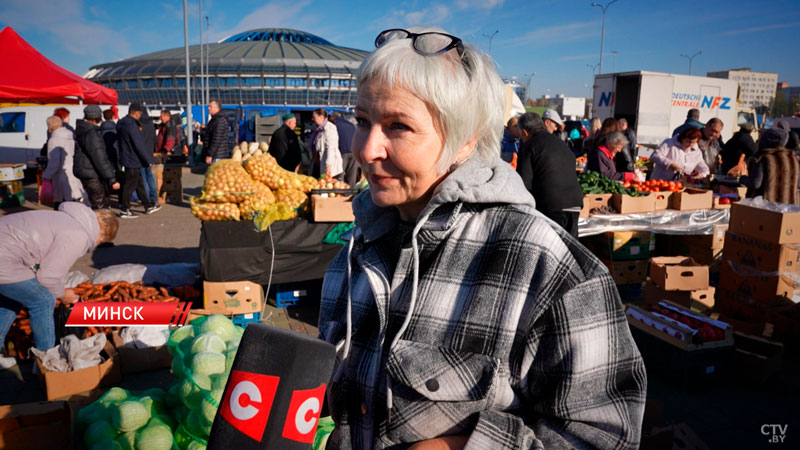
(216, 145)
(352, 171)
(738, 149)
(284, 145)
(547, 167)
(133, 155)
(631, 149)
(692, 120)
(149, 135)
(167, 134)
(109, 131)
(91, 164)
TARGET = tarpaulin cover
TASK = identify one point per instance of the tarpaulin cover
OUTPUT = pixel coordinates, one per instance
(701, 221)
(236, 251)
(27, 76)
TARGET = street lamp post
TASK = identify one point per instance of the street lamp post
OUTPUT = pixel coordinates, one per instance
(691, 58)
(202, 67)
(188, 84)
(603, 29)
(490, 37)
(594, 68)
(528, 85)
(614, 67)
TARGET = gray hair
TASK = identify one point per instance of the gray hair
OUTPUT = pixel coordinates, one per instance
(616, 138)
(464, 105)
(531, 123)
(715, 121)
(693, 113)
(53, 123)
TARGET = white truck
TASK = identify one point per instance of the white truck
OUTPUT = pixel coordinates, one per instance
(656, 103)
(570, 108)
(23, 129)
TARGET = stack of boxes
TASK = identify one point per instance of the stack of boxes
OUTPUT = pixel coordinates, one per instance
(681, 280)
(168, 180)
(627, 255)
(11, 193)
(759, 286)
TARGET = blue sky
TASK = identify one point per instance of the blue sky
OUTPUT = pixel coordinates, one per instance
(555, 39)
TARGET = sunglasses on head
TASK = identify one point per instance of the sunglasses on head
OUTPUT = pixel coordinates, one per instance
(430, 43)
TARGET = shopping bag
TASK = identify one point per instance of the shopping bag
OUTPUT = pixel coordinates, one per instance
(46, 192)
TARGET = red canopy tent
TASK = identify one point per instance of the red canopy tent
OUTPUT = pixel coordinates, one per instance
(27, 76)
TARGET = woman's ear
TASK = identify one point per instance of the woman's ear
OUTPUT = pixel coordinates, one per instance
(466, 149)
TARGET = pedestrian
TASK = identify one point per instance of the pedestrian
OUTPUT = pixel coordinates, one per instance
(133, 155)
(215, 141)
(711, 144)
(464, 318)
(345, 130)
(326, 160)
(774, 171)
(794, 141)
(603, 159)
(594, 128)
(284, 145)
(739, 148)
(38, 248)
(64, 114)
(168, 139)
(631, 149)
(60, 153)
(509, 146)
(692, 120)
(109, 131)
(149, 135)
(552, 122)
(547, 168)
(679, 156)
(91, 164)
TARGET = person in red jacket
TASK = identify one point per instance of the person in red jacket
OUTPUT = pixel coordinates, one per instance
(601, 158)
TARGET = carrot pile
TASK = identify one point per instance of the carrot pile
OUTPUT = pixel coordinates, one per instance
(122, 291)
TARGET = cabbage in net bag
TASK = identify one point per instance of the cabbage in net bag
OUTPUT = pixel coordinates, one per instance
(227, 182)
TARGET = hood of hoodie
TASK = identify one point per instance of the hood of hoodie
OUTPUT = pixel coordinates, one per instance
(86, 217)
(82, 127)
(474, 181)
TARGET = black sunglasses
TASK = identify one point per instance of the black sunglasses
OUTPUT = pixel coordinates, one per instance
(431, 43)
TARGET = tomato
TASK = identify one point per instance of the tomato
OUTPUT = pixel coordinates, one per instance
(679, 185)
(626, 184)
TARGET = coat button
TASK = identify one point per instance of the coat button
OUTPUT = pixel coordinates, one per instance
(432, 385)
(363, 408)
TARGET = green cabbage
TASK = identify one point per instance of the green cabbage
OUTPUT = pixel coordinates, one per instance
(209, 409)
(194, 445)
(154, 438)
(129, 416)
(208, 342)
(107, 444)
(113, 395)
(127, 440)
(97, 432)
(208, 363)
(93, 413)
(184, 332)
(220, 325)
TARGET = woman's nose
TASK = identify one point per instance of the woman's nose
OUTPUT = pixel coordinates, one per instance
(370, 145)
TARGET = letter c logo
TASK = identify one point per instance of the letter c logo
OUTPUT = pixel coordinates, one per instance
(303, 415)
(249, 411)
(305, 426)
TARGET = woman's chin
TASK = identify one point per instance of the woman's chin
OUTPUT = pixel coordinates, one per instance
(384, 198)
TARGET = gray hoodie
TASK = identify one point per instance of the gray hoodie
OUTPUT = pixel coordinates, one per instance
(51, 240)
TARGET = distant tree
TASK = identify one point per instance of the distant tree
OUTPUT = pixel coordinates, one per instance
(779, 106)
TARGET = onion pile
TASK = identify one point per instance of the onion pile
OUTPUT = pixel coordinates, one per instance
(262, 200)
(213, 211)
(331, 183)
(295, 199)
(265, 168)
(227, 182)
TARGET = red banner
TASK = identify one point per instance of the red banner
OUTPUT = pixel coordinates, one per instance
(125, 314)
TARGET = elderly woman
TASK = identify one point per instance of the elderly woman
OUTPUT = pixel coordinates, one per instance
(679, 155)
(463, 317)
(38, 249)
(326, 157)
(601, 158)
(60, 154)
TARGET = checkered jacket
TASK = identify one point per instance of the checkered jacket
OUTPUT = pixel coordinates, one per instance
(517, 340)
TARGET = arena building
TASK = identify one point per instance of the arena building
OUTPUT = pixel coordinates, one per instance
(269, 66)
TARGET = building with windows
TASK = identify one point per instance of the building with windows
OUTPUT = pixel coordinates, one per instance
(267, 66)
(755, 88)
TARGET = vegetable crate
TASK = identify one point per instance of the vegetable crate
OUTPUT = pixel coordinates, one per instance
(245, 319)
(288, 298)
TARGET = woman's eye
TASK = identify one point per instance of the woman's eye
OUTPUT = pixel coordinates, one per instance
(397, 126)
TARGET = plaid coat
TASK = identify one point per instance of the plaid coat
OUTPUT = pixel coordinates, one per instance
(517, 338)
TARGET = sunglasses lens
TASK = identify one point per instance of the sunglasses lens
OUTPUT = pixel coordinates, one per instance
(390, 35)
(431, 43)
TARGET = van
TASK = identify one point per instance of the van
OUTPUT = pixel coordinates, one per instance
(23, 130)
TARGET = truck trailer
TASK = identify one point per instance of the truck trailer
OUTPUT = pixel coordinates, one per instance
(654, 103)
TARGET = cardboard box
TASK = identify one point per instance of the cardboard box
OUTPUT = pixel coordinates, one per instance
(332, 209)
(662, 200)
(757, 359)
(740, 191)
(62, 384)
(699, 300)
(678, 273)
(716, 240)
(626, 204)
(592, 201)
(233, 297)
(762, 255)
(133, 360)
(766, 225)
(627, 272)
(621, 245)
(11, 172)
(37, 425)
(691, 199)
(717, 205)
(765, 287)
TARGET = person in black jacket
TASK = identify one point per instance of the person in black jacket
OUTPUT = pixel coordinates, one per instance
(216, 145)
(90, 163)
(284, 145)
(149, 135)
(738, 150)
(345, 128)
(547, 168)
(133, 155)
(109, 131)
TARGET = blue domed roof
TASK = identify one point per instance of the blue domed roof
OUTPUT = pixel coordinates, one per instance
(277, 35)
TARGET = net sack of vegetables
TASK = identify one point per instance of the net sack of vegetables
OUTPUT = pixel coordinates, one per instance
(202, 356)
(275, 212)
(297, 200)
(265, 168)
(261, 200)
(227, 182)
(121, 419)
(213, 211)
